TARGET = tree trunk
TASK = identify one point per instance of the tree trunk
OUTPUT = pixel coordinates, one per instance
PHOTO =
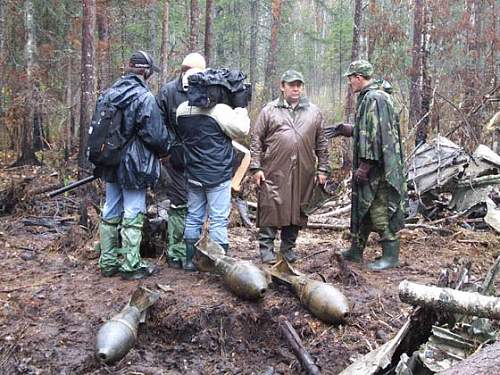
(426, 93)
(254, 30)
(28, 156)
(486, 361)
(492, 58)
(103, 46)
(69, 105)
(164, 43)
(416, 69)
(270, 81)
(209, 35)
(372, 29)
(153, 83)
(358, 4)
(472, 78)
(195, 25)
(449, 300)
(2, 44)
(87, 81)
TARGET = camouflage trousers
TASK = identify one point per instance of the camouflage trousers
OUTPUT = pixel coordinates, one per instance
(176, 223)
(376, 219)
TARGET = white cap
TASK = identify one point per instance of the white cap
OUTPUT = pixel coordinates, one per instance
(194, 60)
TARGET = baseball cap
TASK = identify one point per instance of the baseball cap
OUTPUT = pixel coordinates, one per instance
(194, 60)
(361, 67)
(141, 59)
(292, 76)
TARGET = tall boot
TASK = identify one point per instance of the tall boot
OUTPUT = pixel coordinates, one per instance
(288, 239)
(266, 244)
(108, 235)
(358, 243)
(133, 267)
(390, 256)
(187, 264)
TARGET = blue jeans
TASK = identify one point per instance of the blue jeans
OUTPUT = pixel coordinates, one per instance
(217, 201)
(124, 202)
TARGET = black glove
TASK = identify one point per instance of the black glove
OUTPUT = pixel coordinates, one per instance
(362, 174)
(342, 129)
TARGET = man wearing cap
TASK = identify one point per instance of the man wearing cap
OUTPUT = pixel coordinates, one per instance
(289, 155)
(378, 187)
(207, 131)
(126, 184)
(171, 95)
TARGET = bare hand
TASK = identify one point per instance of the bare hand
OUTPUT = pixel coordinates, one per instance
(259, 177)
(321, 179)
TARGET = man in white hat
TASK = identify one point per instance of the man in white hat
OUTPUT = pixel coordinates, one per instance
(171, 95)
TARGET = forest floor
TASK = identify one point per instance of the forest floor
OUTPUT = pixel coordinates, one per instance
(53, 299)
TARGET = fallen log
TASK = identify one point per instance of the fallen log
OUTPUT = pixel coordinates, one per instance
(449, 300)
(340, 227)
(337, 212)
(327, 226)
(300, 352)
(485, 361)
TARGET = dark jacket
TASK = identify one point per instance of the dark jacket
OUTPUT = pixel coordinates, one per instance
(142, 126)
(170, 96)
(208, 146)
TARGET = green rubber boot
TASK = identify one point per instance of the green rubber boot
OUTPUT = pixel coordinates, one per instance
(176, 245)
(132, 266)
(358, 244)
(353, 254)
(390, 256)
(187, 264)
(108, 234)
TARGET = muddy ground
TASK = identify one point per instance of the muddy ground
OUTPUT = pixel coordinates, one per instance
(53, 300)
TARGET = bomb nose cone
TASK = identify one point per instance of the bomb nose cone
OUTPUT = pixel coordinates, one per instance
(104, 355)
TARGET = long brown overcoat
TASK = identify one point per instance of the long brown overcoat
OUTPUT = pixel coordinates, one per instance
(289, 146)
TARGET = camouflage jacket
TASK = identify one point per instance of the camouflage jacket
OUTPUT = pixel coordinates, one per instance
(377, 139)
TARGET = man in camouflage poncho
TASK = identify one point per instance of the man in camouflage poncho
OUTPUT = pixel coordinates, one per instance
(378, 186)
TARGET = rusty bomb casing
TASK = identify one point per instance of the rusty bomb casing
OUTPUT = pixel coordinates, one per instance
(323, 300)
(241, 277)
(118, 335)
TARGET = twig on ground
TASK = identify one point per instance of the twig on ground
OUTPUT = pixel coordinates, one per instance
(298, 348)
(312, 255)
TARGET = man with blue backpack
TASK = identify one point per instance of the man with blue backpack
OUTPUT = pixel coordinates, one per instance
(126, 140)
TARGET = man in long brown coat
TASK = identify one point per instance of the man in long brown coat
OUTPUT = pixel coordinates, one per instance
(289, 155)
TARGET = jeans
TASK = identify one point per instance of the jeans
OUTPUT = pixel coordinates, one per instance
(119, 201)
(217, 201)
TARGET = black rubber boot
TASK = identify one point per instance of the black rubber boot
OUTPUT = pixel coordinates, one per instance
(390, 256)
(266, 244)
(288, 239)
(141, 273)
(172, 263)
(188, 264)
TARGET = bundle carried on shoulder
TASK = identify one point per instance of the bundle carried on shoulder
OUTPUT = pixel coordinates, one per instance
(215, 86)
